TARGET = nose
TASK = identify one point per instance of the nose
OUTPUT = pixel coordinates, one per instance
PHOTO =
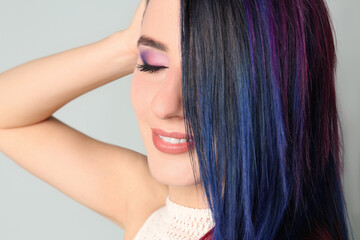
(167, 102)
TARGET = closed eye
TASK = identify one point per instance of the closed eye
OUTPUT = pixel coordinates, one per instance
(149, 68)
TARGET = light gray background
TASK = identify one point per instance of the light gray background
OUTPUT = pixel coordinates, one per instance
(32, 209)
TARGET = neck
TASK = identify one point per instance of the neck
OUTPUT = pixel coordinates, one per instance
(190, 196)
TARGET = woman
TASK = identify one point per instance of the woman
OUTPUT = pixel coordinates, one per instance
(236, 105)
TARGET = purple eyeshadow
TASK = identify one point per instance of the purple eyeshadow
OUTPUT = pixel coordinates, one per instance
(154, 58)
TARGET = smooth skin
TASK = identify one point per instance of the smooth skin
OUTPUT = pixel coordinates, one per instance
(120, 184)
(157, 101)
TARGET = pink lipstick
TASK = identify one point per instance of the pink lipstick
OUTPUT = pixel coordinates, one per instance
(171, 142)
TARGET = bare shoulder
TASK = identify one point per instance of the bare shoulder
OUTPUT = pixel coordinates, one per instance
(147, 195)
(141, 193)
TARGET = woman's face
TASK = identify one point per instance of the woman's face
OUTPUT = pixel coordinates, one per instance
(156, 96)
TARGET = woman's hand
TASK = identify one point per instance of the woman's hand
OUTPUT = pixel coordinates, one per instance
(132, 33)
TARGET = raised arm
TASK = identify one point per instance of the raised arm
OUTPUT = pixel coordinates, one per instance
(33, 91)
(106, 178)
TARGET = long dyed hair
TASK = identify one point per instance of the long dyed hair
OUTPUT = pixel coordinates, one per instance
(259, 98)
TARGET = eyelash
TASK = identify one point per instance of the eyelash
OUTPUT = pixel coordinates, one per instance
(149, 68)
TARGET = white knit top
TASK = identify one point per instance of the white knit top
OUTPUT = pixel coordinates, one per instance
(176, 222)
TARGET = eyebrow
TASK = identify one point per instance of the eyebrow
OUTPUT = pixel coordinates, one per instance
(147, 41)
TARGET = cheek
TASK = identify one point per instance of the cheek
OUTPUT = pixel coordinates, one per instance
(141, 94)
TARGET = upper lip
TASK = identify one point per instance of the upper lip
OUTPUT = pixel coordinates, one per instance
(161, 132)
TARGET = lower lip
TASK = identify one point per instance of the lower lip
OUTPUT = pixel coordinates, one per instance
(171, 148)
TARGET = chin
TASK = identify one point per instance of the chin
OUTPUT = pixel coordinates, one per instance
(168, 169)
(172, 170)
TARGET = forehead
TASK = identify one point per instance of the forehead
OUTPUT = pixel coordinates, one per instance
(161, 22)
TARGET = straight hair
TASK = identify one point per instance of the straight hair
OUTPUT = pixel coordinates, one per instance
(258, 87)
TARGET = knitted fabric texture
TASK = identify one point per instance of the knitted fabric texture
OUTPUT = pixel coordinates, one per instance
(176, 222)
